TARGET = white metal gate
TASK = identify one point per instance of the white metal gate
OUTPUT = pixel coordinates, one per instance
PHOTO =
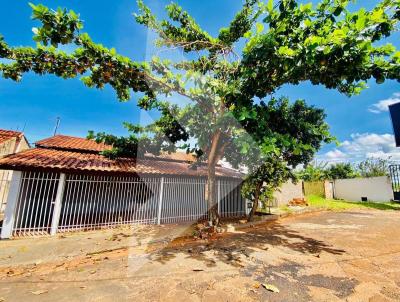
(183, 200)
(103, 201)
(34, 209)
(50, 202)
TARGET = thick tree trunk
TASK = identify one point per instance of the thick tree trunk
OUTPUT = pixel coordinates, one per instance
(255, 202)
(213, 158)
(212, 202)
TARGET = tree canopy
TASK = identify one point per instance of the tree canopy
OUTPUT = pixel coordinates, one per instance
(284, 43)
(369, 167)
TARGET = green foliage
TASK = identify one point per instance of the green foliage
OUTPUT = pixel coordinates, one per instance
(341, 171)
(289, 134)
(372, 167)
(323, 171)
(285, 43)
(340, 205)
(162, 135)
(326, 45)
(59, 27)
(261, 183)
(313, 172)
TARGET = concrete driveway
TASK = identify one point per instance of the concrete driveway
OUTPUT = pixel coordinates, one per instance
(329, 256)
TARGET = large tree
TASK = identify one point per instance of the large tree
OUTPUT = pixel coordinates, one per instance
(297, 129)
(284, 43)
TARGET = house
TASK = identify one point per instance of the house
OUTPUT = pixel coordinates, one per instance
(10, 142)
(65, 184)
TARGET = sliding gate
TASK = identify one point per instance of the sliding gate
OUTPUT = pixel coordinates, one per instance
(90, 202)
(34, 210)
(395, 178)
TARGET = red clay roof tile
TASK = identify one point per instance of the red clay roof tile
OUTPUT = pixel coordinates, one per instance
(6, 135)
(64, 142)
(68, 161)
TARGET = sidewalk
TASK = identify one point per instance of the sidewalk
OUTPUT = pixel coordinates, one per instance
(29, 250)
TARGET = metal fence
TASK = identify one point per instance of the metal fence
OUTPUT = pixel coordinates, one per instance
(395, 178)
(34, 209)
(99, 201)
(92, 202)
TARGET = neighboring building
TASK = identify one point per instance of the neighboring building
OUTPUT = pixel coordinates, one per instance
(10, 142)
(64, 184)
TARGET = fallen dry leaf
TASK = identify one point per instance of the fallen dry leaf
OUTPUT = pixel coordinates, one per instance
(270, 287)
(39, 292)
(256, 285)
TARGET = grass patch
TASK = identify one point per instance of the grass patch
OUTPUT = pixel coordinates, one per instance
(286, 209)
(329, 204)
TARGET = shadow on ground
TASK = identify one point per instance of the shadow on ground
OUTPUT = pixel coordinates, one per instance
(233, 245)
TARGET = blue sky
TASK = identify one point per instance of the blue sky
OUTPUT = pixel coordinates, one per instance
(36, 102)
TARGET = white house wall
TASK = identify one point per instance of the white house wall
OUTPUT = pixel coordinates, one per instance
(287, 192)
(377, 189)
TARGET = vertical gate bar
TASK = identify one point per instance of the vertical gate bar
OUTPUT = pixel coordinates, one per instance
(160, 200)
(83, 202)
(98, 200)
(135, 200)
(57, 205)
(20, 205)
(102, 217)
(32, 199)
(12, 201)
(50, 196)
(39, 205)
(131, 199)
(155, 192)
(108, 205)
(145, 200)
(219, 196)
(89, 203)
(64, 206)
(120, 201)
(123, 198)
(47, 200)
(73, 201)
(93, 204)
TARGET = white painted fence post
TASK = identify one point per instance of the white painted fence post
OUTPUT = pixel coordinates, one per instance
(57, 205)
(160, 200)
(219, 197)
(11, 206)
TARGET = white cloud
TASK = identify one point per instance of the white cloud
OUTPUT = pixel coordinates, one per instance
(383, 105)
(335, 155)
(364, 145)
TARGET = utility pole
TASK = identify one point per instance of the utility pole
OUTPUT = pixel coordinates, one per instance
(57, 125)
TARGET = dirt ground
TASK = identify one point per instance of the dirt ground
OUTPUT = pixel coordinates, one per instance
(329, 256)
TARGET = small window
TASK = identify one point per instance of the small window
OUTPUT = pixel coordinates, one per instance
(364, 198)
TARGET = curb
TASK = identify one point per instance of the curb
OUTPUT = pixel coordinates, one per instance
(269, 218)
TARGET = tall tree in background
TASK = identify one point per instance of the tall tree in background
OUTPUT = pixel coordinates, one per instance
(341, 171)
(373, 167)
(286, 43)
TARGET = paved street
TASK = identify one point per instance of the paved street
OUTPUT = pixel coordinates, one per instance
(328, 256)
